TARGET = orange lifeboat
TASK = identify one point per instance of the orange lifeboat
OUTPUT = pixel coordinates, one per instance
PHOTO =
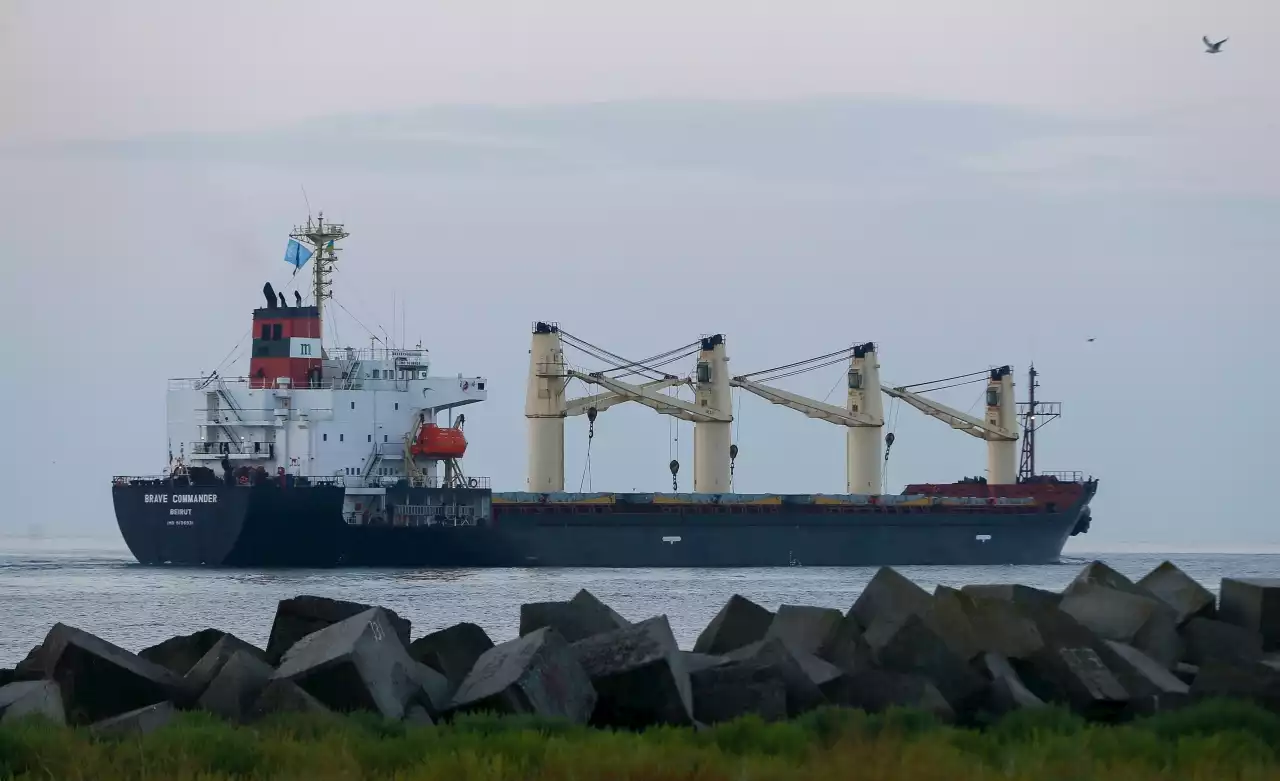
(436, 442)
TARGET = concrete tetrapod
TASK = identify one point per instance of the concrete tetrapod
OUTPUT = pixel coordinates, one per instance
(202, 673)
(285, 697)
(1180, 591)
(577, 619)
(803, 674)
(740, 622)
(31, 698)
(140, 721)
(1207, 640)
(298, 617)
(452, 651)
(358, 663)
(536, 674)
(728, 691)
(1253, 603)
(180, 653)
(890, 597)
(234, 690)
(99, 680)
(911, 646)
(639, 676)
(815, 630)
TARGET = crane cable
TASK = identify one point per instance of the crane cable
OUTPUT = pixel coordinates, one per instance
(591, 435)
(838, 355)
(895, 408)
(737, 434)
(619, 363)
(673, 442)
(952, 385)
(586, 469)
(794, 372)
(661, 359)
(984, 372)
(842, 376)
(648, 364)
(594, 351)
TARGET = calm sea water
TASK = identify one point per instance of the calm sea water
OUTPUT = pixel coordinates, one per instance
(102, 590)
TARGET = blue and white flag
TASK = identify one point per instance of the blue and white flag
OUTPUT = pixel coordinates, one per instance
(296, 255)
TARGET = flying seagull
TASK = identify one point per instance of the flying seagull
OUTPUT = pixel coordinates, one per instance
(1091, 338)
(1213, 48)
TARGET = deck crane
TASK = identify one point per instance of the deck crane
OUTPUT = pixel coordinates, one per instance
(546, 405)
(863, 413)
(710, 411)
(999, 428)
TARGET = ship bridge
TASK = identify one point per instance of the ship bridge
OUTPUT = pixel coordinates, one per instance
(321, 411)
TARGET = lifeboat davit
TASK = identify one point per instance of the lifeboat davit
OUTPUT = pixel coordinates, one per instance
(436, 442)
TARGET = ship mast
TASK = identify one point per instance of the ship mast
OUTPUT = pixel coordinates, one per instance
(321, 236)
(1034, 415)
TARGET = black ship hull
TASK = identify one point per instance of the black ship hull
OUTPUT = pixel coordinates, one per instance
(303, 526)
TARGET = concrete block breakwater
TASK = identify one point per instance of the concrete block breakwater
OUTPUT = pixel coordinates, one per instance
(1107, 647)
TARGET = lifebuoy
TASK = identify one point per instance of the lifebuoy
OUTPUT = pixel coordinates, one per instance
(473, 482)
(466, 385)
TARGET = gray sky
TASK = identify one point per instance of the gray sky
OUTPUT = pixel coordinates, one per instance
(967, 185)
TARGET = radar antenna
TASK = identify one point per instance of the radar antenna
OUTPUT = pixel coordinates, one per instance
(321, 237)
(1035, 415)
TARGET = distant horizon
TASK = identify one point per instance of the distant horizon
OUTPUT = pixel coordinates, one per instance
(117, 545)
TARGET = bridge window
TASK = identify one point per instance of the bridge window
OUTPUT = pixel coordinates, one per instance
(397, 405)
(326, 437)
(384, 437)
(342, 437)
(276, 332)
(370, 438)
(353, 405)
(266, 331)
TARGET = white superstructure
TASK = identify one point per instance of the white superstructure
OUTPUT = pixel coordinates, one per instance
(352, 424)
(368, 418)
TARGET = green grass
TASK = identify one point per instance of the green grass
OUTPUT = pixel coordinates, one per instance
(1212, 741)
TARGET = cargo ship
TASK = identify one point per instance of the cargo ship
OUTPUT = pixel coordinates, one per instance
(353, 457)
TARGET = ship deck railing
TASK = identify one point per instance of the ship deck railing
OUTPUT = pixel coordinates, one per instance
(421, 515)
(478, 483)
(271, 479)
(389, 380)
(412, 356)
(1064, 475)
(267, 383)
(243, 449)
(385, 481)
